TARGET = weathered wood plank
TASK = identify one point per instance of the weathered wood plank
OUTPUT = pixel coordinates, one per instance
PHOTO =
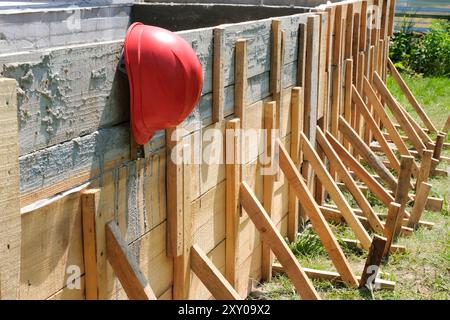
(10, 227)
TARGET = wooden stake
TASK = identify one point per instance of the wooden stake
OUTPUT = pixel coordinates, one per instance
(233, 180)
(318, 221)
(336, 82)
(390, 225)
(337, 196)
(419, 204)
(271, 235)
(218, 76)
(409, 95)
(334, 159)
(240, 85)
(371, 158)
(438, 149)
(301, 55)
(89, 209)
(425, 168)
(275, 67)
(211, 277)
(391, 18)
(373, 260)
(296, 129)
(10, 221)
(348, 93)
(401, 194)
(125, 267)
(268, 182)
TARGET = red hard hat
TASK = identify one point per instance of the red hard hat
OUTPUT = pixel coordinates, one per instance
(165, 79)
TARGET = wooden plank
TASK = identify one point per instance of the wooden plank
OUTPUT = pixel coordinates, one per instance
(318, 221)
(349, 32)
(233, 210)
(419, 204)
(387, 123)
(360, 171)
(89, 209)
(373, 261)
(268, 181)
(421, 133)
(335, 277)
(446, 126)
(271, 235)
(125, 267)
(276, 61)
(363, 43)
(438, 149)
(341, 170)
(211, 277)
(348, 67)
(398, 114)
(322, 102)
(409, 95)
(336, 72)
(174, 186)
(240, 86)
(296, 129)
(391, 18)
(401, 194)
(334, 192)
(218, 82)
(395, 248)
(425, 168)
(355, 46)
(370, 121)
(391, 223)
(371, 158)
(10, 227)
(301, 54)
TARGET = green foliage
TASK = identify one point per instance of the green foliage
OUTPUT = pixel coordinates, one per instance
(307, 244)
(427, 54)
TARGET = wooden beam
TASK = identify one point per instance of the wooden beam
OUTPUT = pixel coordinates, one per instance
(348, 93)
(409, 95)
(125, 266)
(401, 194)
(211, 277)
(174, 185)
(268, 182)
(301, 55)
(319, 223)
(359, 197)
(419, 204)
(10, 221)
(373, 261)
(296, 129)
(391, 18)
(334, 276)
(360, 171)
(218, 85)
(240, 83)
(364, 150)
(336, 71)
(421, 133)
(364, 111)
(233, 180)
(438, 149)
(271, 235)
(89, 209)
(395, 248)
(398, 114)
(391, 223)
(425, 168)
(334, 192)
(387, 123)
(276, 61)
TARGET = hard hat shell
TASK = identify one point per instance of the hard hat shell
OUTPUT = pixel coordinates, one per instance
(165, 78)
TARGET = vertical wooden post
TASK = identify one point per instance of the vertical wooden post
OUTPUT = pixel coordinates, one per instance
(425, 168)
(301, 55)
(275, 67)
(296, 129)
(10, 227)
(240, 86)
(90, 215)
(336, 98)
(391, 18)
(178, 213)
(419, 204)
(401, 194)
(438, 150)
(218, 76)
(268, 182)
(233, 180)
(391, 223)
(373, 259)
(348, 94)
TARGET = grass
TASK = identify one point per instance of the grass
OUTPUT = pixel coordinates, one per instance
(423, 272)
